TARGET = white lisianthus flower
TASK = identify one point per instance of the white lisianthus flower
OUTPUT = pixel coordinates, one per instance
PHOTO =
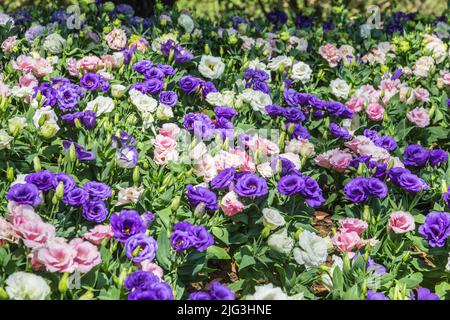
(225, 98)
(265, 169)
(292, 157)
(186, 22)
(5, 19)
(272, 218)
(269, 292)
(143, 102)
(301, 71)
(44, 115)
(326, 277)
(16, 124)
(276, 63)
(312, 251)
(128, 195)
(340, 88)
(22, 92)
(259, 101)
(211, 67)
(118, 90)
(164, 112)
(26, 286)
(422, 66)
(101, 105)
(280, 241)
(5, 139)
(54, 43)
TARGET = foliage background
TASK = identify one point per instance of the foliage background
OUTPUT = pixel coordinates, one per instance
(257, 8)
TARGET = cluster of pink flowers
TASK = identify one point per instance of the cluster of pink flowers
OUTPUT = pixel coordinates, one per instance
(165, 144)
(49, 252)
(35, 65)
(348, 237)
(335, 159)
(95, 64)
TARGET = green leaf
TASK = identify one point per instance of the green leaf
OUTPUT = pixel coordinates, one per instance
(246, 262)
(221, 234)
(163, 250)
(215, 252)
(412, 280)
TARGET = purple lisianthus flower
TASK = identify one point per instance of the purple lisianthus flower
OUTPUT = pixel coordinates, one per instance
(207, 87)
(355, 190)
(140, 247)
(127, 223)
(261, 86)
(376, 188)
(277, 17)
(397, 74)
(339, 132)
(24, 193)
(274, 110)
(225, 112)
(33, 32)
(90, 81)
(198, 123)
(298, 131)
(338, 109)
(199, 295)
(424, 294)
(67, 97)
(250, 185)
(67, 181)
(436, 228)
(302, 21)
(48, 92)
(412, 183)
(75, 197)
(156, 291)
(197, 195)
(362, 159)
(140, 280)
(312, 192)
(142, 66)
(220, 291)
(42, 179)
(224, 179)
(386, 142)
(180, 240)
(327, 26)
(148, 217)
(189, 84)
(97, 190)
(293, 115)
(88, 119)
(168, 98)
(379, 168)
(167, 69)
(153, 86)
(127, 157)
(415, 155)
(291, 97)
(201, 238)
(81, 153)
(438, 157)
(377, 268)
(372, 295)
(154, 73)
(95, 211)
(182, 55)
(290, 185)
(371, 134)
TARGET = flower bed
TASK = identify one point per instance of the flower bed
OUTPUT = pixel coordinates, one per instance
(176, 158)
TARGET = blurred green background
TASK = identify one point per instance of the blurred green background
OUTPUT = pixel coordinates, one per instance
(257, 8)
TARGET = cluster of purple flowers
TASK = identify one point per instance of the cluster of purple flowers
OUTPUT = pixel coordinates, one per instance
(256, 79)
(405, 179)
(87, 118)
(186, 236)
(291, 114)
(127, 153)
(189, 84)
(93, 82)
(436, 228)
(359, 189)
(417, 156)
(143, 285)
(180, 54)
(61, 92)
(81, 153)
(129, 228)
(90, 196)
(296, 182)
(277, 17)
(245, 184)
(216, 291)
(153, 83)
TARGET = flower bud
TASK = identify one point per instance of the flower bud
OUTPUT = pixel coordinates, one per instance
(36, 164)
(136, 175)
(49, 130)
(207, 49)
(3, 294)
(89, 295)
(297, 234)
(72, 153)
(59, 190)
(16, 125)
(175, 203)
(10, 174)
(63, 283)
